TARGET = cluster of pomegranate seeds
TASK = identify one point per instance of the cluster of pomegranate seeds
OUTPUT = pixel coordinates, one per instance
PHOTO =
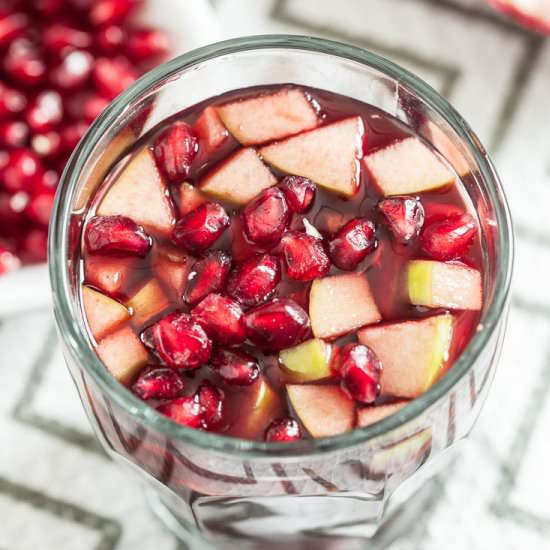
(62, 61)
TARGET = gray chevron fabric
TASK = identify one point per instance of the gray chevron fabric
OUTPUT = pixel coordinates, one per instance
(58, 491)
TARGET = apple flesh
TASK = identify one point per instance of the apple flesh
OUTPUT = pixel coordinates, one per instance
(210, 130)
(371, 415)
(109, 274)
(263, 405)
(188, 197)
(407, 167)
(269, 117)
(171, 267)
(323, 410)
(329, 155)
(148, 302)
(440, 284)
(239, 178)
(340, 304)
(413, 353)
(103, 314)
(308, 361)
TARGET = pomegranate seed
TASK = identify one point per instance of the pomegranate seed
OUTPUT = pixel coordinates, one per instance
(23, 63)
(12, 26)
(198, 230)
(283, 430)
(179, 341)
(48, 8)
(92, 106)
(210, 400)
(253, 281)
(352, 244)
(266, 217)
(48, 145)
(360, 369)
(113, 76)
(435, 212)
(174, 150)
(277, 325)
(33, 245)
(110, 40)
(299, 192)
(404, 217)
(8, 261)
(20, 170)
(304, 256)
(64, 36)
(116, 235)
(72, 71)
(13, 133)
(47, 183)
(222, 319)
(209, 274)
(71, 134)
(158, 383)
(44, 112)
(39, 208)
(449, 239)
(107, 12)
(12, 102)
(235, 367)
(147, 44)
(183, 410)
(11, 210)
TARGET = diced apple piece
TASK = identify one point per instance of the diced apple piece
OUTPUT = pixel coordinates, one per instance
(171, 267)
(139, 193)
(340, 304)
(148, 302)
(407, 167)
(264, 403)
(323, 410)
(103, 314)
(210, 130)
(370, 415)
(239, 178)
(109, 274)
(328, 155)
(329, 220)
(123, 354)
(440, 284)
(308, 361)
(269, 117)
(188, 197)
(412, 353)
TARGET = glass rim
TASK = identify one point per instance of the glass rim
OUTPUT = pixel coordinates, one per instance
(74, 333)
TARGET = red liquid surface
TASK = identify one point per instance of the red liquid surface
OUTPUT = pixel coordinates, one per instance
(384, 267)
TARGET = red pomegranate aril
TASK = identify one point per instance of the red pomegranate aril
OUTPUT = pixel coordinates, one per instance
(449, 239)
(113, 76)
(39, 208)
(107, 12)
(73, 71)
(210, 400)
(174, 150)
(198, 230)
(63, 36)
(33, 245)
(48, 8)
(92, 106)
(266, 217)
(13, 133)
(158, 383)
(435, 212)
(304, 256)
(110, 40)
(8, 261)
(404, 217)
(12, 26)
(24, 64)
(360, 370)
(208, 274)
(299, 192)
(277, 325)
(20, 170)
(147, 44)
(45, 111)
(179, 341)
(253, 281)
(116, 235)
(11, 210)
(183, 410)
(222, 319)
(283, 430)
(12, 102)
(48, 145)
(352, 244)
(71, 134)
(235, 367)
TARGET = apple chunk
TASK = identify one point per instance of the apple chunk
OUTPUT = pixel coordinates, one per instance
(111, 275)
(323, 410)
(407, 167)
(269, 117)
(148, 302)
(371, 415)
(139, 193)
(307, 361)
(239, 178)
(328, 155)
(123, 354)
(188, 198)
(340, 304)
(259, 408)
(412, 353)
(210, 130)
(440, 284)
(103, 314)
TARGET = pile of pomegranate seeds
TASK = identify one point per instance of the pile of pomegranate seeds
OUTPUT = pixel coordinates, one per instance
(62, 62)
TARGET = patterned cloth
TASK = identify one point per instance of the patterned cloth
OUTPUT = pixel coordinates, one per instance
(58, 491)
